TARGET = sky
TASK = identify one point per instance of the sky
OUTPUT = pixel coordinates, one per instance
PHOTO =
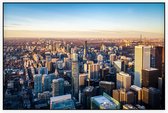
(83, 20)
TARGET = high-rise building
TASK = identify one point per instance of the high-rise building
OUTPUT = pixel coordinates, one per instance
(85, 68)
(38, 83)
(150, 77)
(82, 78)
(93, 71)
(119, 65)
(116, 94)
(123, 80)
(159, 58)
(42, 70)
(103, 73)
(137, 93)
(154, 98)
(60, 64)
(145, 96)
(142, 61)
(106, 87)
(58, 87)
(63, 102)
(49, 66)
(100, 58)
(88, 92)
(104, 102)
(67, 87)
(85, 50)
(75, 75)
(46, 82)
(113, 58)
(122, 96)
(129, 97)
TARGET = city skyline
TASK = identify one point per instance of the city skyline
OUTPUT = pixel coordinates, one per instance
(93, 20)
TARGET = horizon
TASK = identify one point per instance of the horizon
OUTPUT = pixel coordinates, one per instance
(106, 20)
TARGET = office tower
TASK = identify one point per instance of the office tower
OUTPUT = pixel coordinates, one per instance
(145, 96)
(104, 102)
(82, 78)
(63, 102)
(123, 80)
(159, 58)
(106, 87)
(137, 93)
(122, 96)
(116, 94)
(90, 82)
(46, 82)
(60, 64)
(119, 65)
(100, 58)
(58, 87)
(129, 97)
(142, 61)
(85, 68)
(93, 71)
(88, 92)
(68, 65)
(85, 50)
(36, 57)
(89, 63)
(51, 77)
(113, 58)
(125, 65)
(103, 47)
(67, 87)
(75, 75)
(49, 66)
(154, 98)
(38, 83)
(150, 77)
(103, 73)
(68, 48)
(42, 70)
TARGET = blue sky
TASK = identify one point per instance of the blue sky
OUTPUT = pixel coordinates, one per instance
(85, 17)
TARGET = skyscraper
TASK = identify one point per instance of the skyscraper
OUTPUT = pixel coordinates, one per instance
(42, 70)
(145, 96)
(82, 78)
(93, 71)
(113, 57)
(75, 75)
(137, 93)
(142, 61)
(58, 87)
(85, 50)
(154, 98)
(46, 82)
(150, 77)
(88, 92)
(106, 87)
(38, 83)
(159, 58)
(100, 58)
(123, 80)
